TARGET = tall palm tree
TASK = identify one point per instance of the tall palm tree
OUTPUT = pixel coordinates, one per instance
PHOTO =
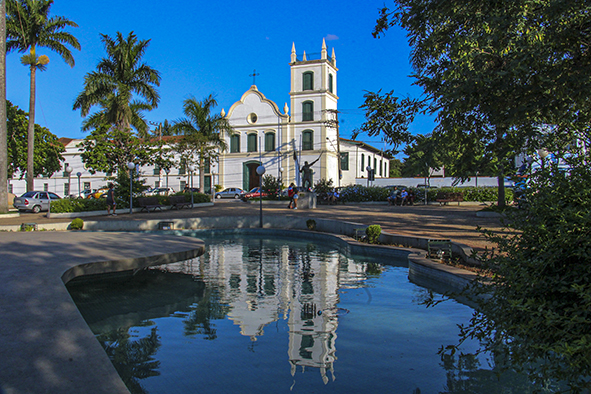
(3, 133)
(28, 26)
(202, 132)
(119, 78)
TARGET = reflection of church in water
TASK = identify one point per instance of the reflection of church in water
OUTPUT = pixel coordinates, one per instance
(262, 286)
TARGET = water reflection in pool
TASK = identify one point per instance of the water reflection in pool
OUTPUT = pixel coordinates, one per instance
(258, 315)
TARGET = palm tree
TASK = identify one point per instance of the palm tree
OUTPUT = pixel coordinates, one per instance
(3, 133)
(202, 133)
(29, 26)
(119, 78)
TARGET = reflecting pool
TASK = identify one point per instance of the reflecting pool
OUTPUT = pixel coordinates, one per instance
(258, 315)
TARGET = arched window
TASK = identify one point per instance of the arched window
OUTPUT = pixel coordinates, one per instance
(308, 140)
(269, 142)
(362, 162)
(235, 144)
(307, 111)
(252, 143)
(308, 80)
(330, 83)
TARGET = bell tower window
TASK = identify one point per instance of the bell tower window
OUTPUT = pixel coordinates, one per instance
(307, 111)
(308, 80)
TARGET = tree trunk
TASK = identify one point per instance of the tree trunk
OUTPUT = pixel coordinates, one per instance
(31, 135)
(3, 133)
(501, 188)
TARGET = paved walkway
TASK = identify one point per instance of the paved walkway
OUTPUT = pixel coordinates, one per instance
(449, 221)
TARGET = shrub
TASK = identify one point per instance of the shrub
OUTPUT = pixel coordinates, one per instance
(311, 223)
(272, 186)
(373, 232)
(77, 224)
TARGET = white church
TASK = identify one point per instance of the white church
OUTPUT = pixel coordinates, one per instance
(280, 141)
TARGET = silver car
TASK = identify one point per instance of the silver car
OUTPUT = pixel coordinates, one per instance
(34, 201)
(231, 192)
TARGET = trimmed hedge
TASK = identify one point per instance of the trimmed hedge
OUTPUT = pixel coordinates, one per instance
(69, 205)
(360, 193)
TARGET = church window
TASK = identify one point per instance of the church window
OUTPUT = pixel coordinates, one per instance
(269, 142)
(330, 83)
(308, 140)
(252, 143)
(235, 144)
(362, 162)
(308, 80)
(307, 111)
(345, 161)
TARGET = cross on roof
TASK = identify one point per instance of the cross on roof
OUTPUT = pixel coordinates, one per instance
(254, 76)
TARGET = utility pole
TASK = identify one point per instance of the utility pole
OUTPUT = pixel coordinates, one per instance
(333, 122)
(3, 132)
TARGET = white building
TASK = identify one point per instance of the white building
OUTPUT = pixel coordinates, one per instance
(280, 141)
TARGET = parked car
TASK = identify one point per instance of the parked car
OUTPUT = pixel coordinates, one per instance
(162, 191)
(87, 193)
(34, 201)
(254, 193)
(98, 193)
(230, 192)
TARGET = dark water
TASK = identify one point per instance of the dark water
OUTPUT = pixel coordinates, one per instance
(269, 316)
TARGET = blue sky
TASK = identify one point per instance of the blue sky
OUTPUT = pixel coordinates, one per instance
(210, 47)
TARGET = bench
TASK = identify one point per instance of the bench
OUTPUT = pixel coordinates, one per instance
(447, 197)
(179, 202)
(147, 203)
(439, 249)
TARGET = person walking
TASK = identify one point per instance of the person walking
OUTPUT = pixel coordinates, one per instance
(290, 193)
(111, 203)
(295, 198)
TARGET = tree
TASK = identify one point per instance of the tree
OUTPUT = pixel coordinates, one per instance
(202, 133)
(535, 301)
(499, 70)
(423, 155)
(3, 146)
(48, 149)
(28, 27)
(395, 168)
(120, 78)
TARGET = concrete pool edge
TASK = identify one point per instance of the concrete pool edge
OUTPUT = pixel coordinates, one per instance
(45, 344)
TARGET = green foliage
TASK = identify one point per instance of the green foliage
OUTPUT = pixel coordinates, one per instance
(202, 134)
(537, 307)
(373, 233)
(395, 168)
(218, 188)
(77, 224)
(423, 154)
(323, 186)
(311, 224)
(198, 198)
(359, 193)
(108, 149)
(122, 87)
(69, 205)
(272, 186)
(122, 187)
(47, 147)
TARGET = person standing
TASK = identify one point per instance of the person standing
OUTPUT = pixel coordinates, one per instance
(290, 193)
(111, 203)
(295, 198)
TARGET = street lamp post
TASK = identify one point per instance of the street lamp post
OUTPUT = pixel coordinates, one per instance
(79, 174)
(167, 170)
(191, 169)
(131, 167)
(261, 171)
(69, 171)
